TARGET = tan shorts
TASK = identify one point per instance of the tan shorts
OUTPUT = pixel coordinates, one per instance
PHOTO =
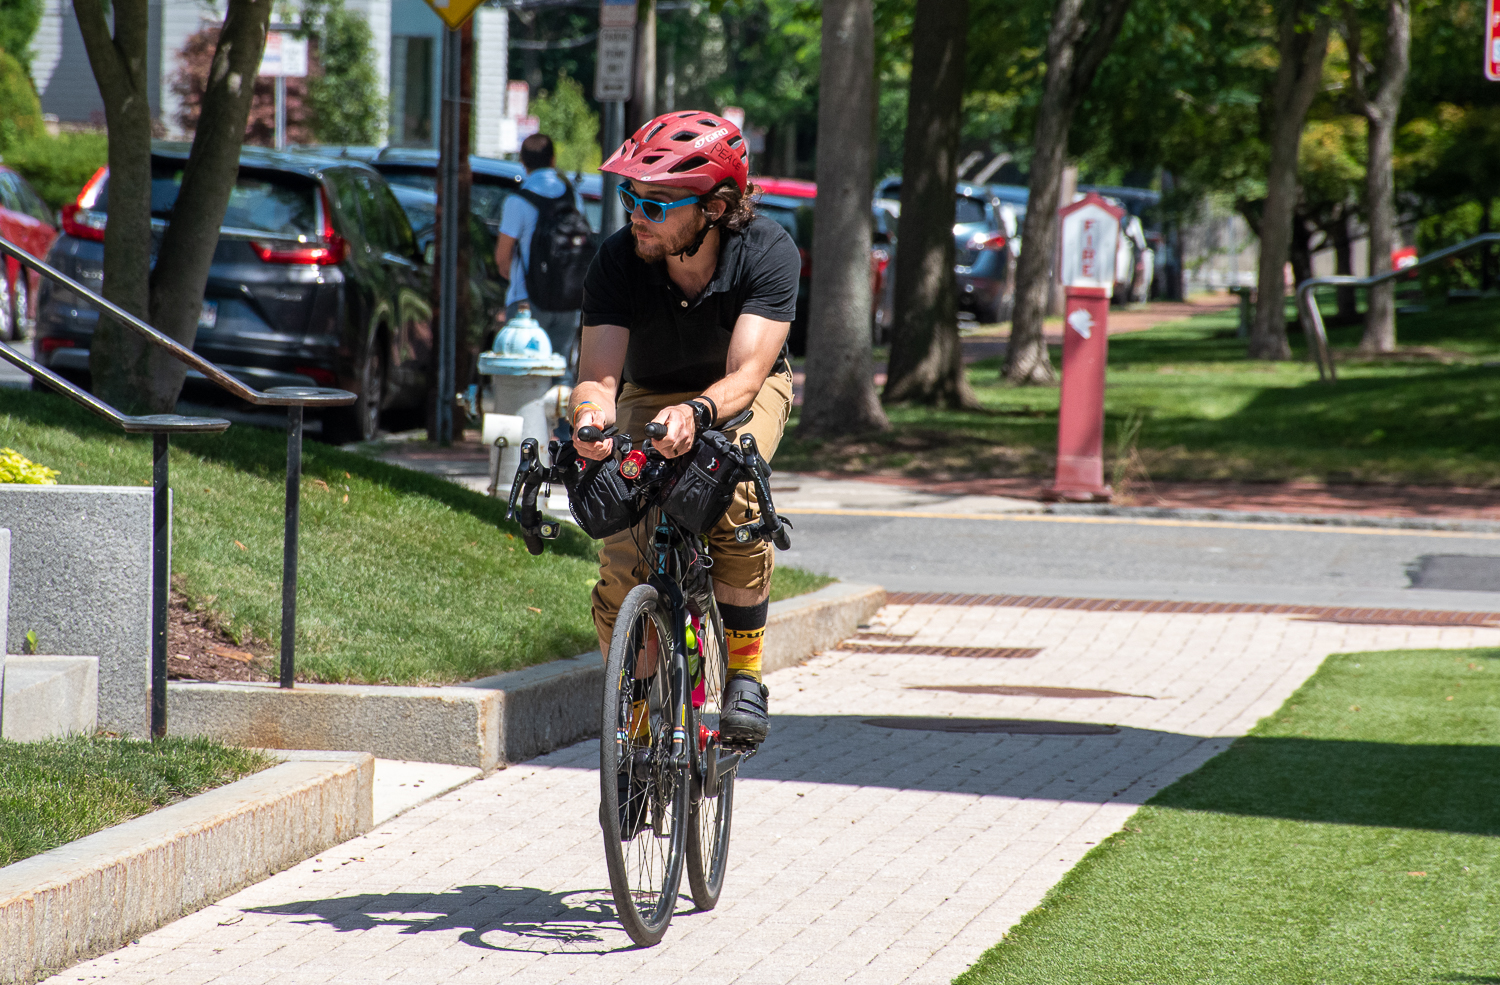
(621, 566)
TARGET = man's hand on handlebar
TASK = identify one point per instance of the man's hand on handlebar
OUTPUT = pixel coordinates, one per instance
(595, 450)
(682, 431)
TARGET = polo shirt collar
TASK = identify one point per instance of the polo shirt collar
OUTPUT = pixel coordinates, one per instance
(730, 244)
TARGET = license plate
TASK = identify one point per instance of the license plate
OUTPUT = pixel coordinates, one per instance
(209, 316)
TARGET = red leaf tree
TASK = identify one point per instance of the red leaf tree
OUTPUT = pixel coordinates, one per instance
(191, 80)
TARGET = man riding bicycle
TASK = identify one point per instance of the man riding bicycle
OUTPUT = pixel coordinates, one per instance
(685, 318)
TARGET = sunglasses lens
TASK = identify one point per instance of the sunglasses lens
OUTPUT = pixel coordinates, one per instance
(654, 211)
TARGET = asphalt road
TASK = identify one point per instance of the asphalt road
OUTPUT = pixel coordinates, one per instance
(1099, 557)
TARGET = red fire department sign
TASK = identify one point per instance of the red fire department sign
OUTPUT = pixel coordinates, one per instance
(1492, 40)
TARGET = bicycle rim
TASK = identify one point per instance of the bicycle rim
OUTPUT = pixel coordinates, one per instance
(645, 836)
(708, 828)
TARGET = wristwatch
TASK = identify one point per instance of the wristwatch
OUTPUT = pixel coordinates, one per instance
(702, 416)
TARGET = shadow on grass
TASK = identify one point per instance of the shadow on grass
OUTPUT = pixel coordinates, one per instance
(493, 918)
(262, 453)
(1432, 787)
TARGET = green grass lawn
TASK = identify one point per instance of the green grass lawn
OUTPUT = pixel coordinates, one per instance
(60, 790)
(1352, 837)
(1209, 413)
(404, 578)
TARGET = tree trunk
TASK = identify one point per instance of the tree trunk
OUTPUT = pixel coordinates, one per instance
(839, 398)
(187, 246)
(642, 106)
(1076, 45)
(118, 358)
(1343, 265)
(1300, 249)
(1299, 73)
(927, 360)
(1381, 109)
(1486, 252)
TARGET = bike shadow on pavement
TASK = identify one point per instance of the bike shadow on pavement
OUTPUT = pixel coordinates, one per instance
(999, 757)
(494, 918)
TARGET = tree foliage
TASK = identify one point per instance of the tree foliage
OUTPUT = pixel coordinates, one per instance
(18, 23)
(191, 79)
(20, 110)
(344, 94)
(564, 115)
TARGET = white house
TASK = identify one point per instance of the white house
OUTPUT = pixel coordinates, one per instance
(408, 51)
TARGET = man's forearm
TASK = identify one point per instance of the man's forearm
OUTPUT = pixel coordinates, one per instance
(600, 397)
(735, 392)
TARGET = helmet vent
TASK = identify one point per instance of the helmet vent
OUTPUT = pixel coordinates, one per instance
(684, 135)
(735, 141)
(652, 159)
(710, 123)
(683, 116)
(696, 161)
(654, 131)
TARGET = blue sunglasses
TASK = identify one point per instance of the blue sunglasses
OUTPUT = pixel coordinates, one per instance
(650, 208)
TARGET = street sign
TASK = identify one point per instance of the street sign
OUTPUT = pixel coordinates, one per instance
(1492, 40)
(617, 13)
(517, 98)
(285, 56)
(614, 68)
(454, 12)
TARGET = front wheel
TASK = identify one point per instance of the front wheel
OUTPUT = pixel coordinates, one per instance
(360, 421)
(708, 829)
(643, 802)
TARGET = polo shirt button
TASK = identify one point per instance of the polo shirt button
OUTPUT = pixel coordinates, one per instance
(684, 304)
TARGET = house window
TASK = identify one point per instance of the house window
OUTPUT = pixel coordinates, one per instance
(411, 91)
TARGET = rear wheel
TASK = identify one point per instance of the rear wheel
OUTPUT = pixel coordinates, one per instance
(643, 809)
(708, 828)
(22, 320)
(360, 421)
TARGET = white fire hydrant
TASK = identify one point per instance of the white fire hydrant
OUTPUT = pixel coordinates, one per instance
(525, 400)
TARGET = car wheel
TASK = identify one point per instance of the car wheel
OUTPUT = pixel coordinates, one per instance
(360, 421)
(23, 319)
(8, 322)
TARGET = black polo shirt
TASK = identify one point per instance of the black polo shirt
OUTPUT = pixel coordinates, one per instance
(679, 343)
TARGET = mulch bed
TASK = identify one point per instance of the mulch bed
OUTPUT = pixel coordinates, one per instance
(198, 650)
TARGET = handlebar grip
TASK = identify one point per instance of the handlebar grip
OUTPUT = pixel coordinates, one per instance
(782, 539)
(590, 433)
(533, 542)
(655, 430)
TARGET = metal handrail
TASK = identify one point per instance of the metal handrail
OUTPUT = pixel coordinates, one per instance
(294, 398)
(1307, 308)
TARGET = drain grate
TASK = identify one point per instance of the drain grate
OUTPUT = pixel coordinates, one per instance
(1020, 691)
(1317, 613)
(990, 726)
(976, 652)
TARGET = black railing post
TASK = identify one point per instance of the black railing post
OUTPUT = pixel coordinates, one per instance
(289, 547)
(161, 553)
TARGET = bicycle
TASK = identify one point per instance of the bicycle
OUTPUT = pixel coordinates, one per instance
(666, 778)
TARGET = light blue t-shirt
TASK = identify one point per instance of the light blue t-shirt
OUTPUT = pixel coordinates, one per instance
(518, 220)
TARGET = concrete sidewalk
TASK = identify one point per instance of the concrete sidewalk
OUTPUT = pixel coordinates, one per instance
(861, 852)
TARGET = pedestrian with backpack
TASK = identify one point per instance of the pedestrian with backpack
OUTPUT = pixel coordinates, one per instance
(546, 244)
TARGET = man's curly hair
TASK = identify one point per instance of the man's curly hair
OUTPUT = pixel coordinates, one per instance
(739, 207)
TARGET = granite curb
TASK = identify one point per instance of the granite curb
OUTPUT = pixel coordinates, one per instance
(95, 894)
(486, 723)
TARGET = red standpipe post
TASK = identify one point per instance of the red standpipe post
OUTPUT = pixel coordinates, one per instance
(1080, 419)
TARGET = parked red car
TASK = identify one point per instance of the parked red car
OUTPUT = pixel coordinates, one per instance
(26, 221)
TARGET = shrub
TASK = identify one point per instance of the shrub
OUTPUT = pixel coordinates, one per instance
(191, 79)
(17, 468)
(18, 24)
(57, 167)
(20, 110)
(344, 94)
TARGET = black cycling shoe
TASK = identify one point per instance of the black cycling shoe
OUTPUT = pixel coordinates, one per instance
(632, 788)
(745, 718)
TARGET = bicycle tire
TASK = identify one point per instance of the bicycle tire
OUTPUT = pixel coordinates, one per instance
(710, 820)
(643, 845)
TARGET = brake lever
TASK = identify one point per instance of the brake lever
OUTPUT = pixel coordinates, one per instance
(523, 474)
(771, 525)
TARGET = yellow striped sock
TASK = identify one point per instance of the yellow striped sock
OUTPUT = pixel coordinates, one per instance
(744, 651)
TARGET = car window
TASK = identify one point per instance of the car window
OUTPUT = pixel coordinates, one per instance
(10, 197)
(966, 210)
(346, 193)
(396, 226)
(32, 203)
(488, 201)
(272, 204)
(377, 224)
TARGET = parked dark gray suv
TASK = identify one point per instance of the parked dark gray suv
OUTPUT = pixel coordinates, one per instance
(316, 280)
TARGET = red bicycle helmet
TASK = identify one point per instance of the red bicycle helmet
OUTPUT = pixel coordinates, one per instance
(685, 149)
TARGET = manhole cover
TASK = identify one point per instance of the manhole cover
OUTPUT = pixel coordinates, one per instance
(1006, 726)
(1015, 690)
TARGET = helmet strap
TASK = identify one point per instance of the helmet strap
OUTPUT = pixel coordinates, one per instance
(692, 250)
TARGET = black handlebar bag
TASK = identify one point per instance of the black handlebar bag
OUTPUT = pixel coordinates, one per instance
(705, 486)
(602, 502)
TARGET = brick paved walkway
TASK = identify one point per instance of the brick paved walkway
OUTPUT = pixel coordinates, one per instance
(860, 853)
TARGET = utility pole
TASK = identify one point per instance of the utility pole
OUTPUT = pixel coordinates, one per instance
(614, 82)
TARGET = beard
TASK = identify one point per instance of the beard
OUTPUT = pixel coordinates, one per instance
(661, 246)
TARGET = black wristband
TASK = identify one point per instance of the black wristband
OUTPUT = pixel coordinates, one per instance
(714, 416)
(702, 416)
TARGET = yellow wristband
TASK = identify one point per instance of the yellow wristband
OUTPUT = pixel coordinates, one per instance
(581, 406)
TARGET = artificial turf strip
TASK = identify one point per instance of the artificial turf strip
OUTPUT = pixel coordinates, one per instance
(404, 578)
(60, 790)
(1349, 838)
